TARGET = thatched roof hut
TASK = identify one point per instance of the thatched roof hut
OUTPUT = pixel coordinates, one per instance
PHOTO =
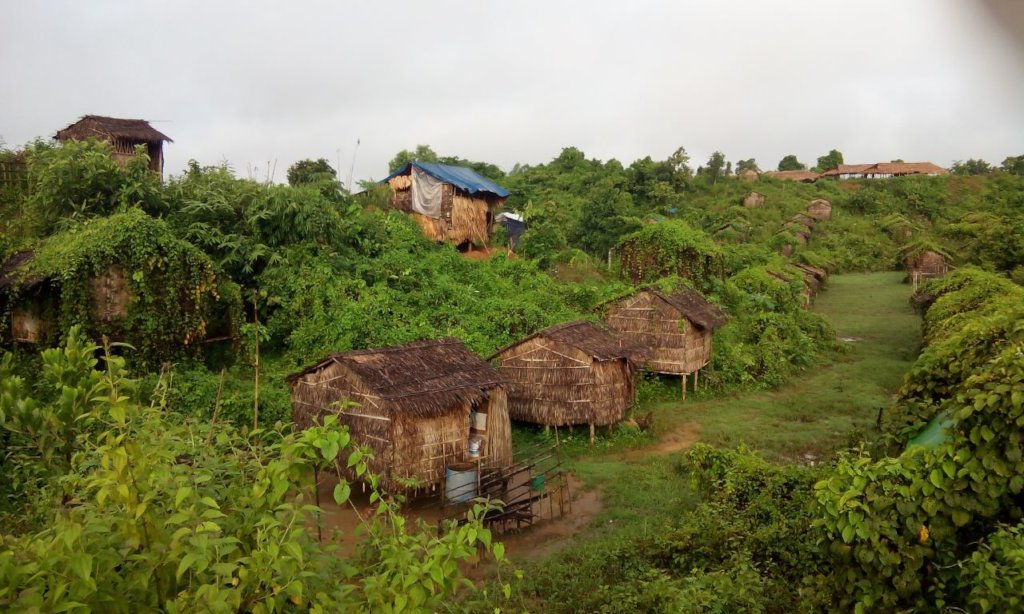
(802, 176)
(820, 209)
(125, 276)
(412, 404)
(450, 203)
(676, 329)
(573, 373)
(122, 134)
(753, 200)
(749, 175)
(924, 264)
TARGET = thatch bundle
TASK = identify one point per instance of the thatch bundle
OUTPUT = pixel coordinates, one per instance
(400, 182)
(434, 228)
(676, 329)
(753, 200)
(820, 209)
(573, 373)
(469, 221)
(410, 404)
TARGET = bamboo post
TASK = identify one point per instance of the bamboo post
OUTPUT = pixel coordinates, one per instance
(256, 388)
(216, 408)
(684, 387)
(696, 385)
(591, 435)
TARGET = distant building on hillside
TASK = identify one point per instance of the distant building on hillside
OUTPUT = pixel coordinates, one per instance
(450, 203)
(123, 135)
(884, 170)
(803, 176)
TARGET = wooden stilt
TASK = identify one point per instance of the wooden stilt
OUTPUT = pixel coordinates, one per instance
(547, 430)
(696, 385)
(684, 387)
(591, 434)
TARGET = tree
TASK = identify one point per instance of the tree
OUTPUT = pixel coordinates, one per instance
(749, 164)
(423, 153)
(311, 171)
(715, 167)
(680, 160)
(971, 167)
(1014, 165)
(790, 163)
(830, 160)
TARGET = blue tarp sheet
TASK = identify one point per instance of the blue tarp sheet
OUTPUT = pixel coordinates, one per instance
(459, 176)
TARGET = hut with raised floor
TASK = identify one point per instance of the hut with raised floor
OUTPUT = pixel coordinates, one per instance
(124, 135)
(820, 209)
(421, 407)
(572, 373)
(450, 203)
(923, 262)
(676, 329)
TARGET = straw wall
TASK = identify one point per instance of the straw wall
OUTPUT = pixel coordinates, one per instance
(28, 324)
(499, 430)
(468, 219)
(676, 345)
(556, 384)
(927, 264)
(109, 294)
(329, 390)
(422, 448)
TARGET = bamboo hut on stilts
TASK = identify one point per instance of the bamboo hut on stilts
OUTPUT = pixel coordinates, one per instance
(450, 203)
(422, 408)
(676, 329)
(573, 373)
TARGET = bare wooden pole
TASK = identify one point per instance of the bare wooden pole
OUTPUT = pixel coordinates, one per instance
(216, 408)
(591, 434)
(684, 387)
(256, 387)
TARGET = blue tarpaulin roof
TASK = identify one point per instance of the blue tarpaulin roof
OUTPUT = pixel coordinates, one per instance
(459, 176)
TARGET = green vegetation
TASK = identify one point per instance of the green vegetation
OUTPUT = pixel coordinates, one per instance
(158, 476)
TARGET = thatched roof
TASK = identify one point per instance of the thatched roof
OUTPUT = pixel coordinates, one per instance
(424, 378)
(103, 128)
(589, 338)
(695, 307)
(887, 168)
(9, 276)
(793, 175)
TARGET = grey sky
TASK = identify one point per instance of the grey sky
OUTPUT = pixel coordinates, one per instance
(511, 82)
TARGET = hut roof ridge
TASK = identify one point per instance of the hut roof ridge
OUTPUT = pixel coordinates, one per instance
(423, 373)
(103, 127)
(595, 341)
(460, 176)
(694, 306)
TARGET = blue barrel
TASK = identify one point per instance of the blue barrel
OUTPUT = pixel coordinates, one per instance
(460, 482)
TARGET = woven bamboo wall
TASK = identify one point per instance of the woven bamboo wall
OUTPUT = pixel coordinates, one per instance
(109, 294)
(557, 385)
(676, 346)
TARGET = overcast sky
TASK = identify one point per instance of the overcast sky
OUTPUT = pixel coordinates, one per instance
(253, 83)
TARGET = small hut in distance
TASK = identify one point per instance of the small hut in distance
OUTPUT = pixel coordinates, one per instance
(450, 203)
(923, 264)
(123, 135)
(677, 329)
(572, 373)
(421, 407)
